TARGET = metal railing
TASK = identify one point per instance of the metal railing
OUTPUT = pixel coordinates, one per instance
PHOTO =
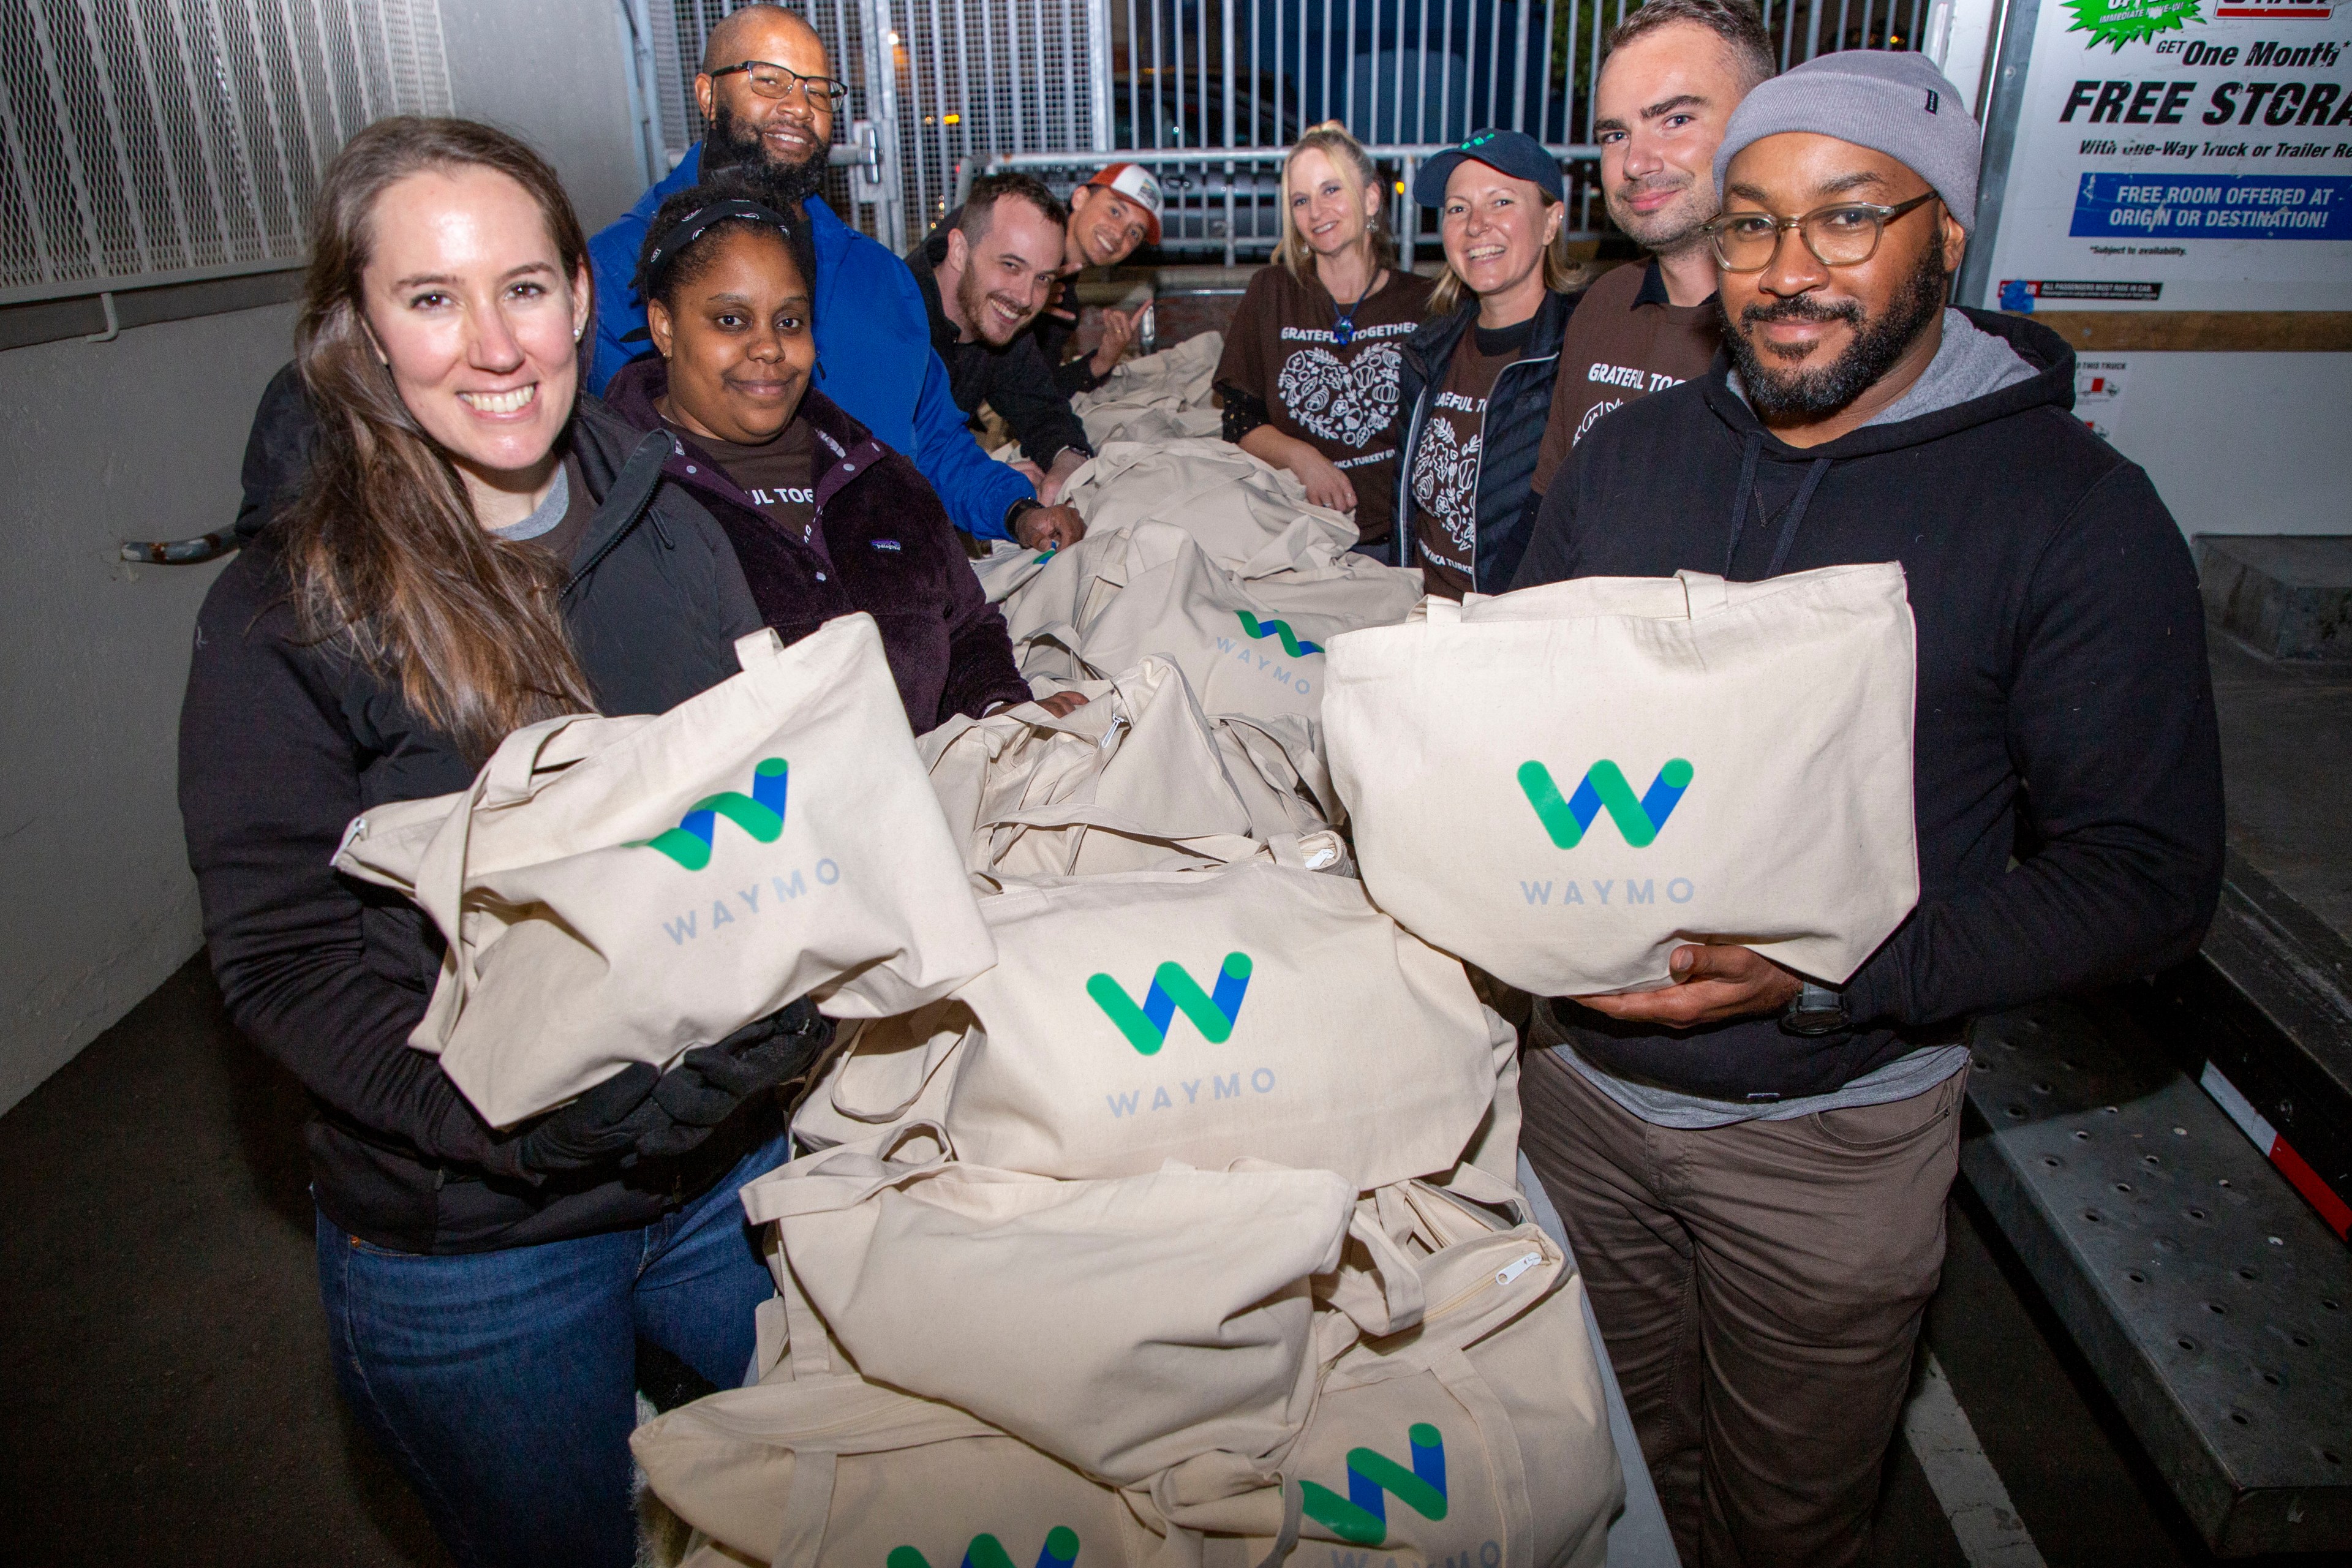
(1208, 198)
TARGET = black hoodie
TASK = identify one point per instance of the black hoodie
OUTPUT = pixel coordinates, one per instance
(2065, 709)
(283, 741)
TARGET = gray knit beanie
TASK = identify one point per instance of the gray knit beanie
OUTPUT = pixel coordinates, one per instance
(1890, 101)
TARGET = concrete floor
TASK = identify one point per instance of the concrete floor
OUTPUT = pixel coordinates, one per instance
(163, 1358)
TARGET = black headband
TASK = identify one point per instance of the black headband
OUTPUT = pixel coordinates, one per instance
(689, 228)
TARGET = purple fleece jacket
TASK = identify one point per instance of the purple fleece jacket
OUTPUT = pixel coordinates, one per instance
(894, 555)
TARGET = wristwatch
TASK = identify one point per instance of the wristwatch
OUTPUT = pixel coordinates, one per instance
(1814, 1010)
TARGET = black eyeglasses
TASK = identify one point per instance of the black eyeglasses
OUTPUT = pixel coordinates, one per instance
(771, 81)
(1845, 235)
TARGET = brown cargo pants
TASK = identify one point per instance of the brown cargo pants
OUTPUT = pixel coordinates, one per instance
(1760, 1287)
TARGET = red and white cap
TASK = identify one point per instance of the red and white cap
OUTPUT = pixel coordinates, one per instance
(1137, 185)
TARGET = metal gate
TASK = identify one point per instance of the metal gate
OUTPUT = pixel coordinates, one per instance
(935, 88)
(1210, 92)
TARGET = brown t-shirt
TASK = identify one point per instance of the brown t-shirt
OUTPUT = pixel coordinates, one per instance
(1626, 340)
(1445, 465)
(1340, 399)
(780, 476)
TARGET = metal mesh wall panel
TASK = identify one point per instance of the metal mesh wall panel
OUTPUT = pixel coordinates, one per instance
(149, 141)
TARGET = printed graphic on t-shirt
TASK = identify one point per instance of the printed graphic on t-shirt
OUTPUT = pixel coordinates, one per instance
(1336, 401)
(1445, 472)
(790, 495)
(1593, 416)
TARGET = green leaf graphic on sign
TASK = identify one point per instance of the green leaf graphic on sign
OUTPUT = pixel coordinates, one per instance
(2120, 22)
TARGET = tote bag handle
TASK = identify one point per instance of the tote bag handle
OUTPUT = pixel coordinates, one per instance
(1704, 593)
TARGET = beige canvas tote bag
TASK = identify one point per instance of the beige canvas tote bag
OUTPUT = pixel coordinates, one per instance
(1255, 1011)
(882, 1075)
(1162, 396)
(1476, 1435)
(1231, 502)
(1115, 598)
(615, 890)
(1137, 779)
(1561, 785)
(833, 1471)
(1120, 1326)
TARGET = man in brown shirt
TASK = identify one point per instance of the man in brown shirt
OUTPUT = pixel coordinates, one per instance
(1675, 72)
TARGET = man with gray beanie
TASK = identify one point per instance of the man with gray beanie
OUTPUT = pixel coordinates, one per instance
(1752, 1163)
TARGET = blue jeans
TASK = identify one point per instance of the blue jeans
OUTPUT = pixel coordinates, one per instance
(503, 1384)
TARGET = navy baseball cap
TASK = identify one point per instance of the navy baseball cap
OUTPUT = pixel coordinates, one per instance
(1514, 153)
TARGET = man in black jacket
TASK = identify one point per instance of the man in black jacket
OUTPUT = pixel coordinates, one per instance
(1111, 215)
(1752, 1164)
(1002, 263)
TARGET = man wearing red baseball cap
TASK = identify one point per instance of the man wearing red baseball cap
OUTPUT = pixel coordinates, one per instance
(1111, 216)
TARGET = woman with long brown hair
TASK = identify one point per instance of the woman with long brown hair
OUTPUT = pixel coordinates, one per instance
(474, 548)
(1311, 369)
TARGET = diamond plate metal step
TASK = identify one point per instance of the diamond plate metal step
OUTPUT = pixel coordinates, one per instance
(2208, 1298)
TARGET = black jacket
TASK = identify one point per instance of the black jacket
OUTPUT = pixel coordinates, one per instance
(1515, 412)
(1055, 325)
(894, 556)
(1016, 380)
(283, 743)
(2065, 711)
(277, 451)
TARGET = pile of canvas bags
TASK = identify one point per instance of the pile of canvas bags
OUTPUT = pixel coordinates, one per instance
(617, 891)
(1185, 1219)
(1139, 778)
(1563, 784)
(1158, 398)
(1248, 637)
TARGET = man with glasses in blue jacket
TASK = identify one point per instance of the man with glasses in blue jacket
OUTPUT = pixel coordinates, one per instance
(767, 89)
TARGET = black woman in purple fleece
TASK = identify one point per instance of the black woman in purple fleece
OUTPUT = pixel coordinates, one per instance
(825, 519)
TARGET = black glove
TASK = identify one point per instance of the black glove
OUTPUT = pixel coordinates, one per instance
(594, 1130)
(709, 1082)
(642, 1113)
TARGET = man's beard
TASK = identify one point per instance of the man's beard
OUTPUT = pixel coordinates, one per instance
(1670, 228)
(1878, 342)
(973, 300)
(735, 150)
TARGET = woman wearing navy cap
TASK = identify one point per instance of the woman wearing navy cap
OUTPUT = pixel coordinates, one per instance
(1478, 377)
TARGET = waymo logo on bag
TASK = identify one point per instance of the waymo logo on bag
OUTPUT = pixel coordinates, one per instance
(1060, 1550)
(759, 814)
(1363, 1516)
(1603, 788)
(1146, 1027)
(1291, 644)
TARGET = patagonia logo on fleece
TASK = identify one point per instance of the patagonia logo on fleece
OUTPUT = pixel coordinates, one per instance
(889, 544)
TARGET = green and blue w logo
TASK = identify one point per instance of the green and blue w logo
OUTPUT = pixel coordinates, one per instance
(1363, 1516)
(1061, 1550)
(1146, 1027)
(1604, 789)
(759, 814)
(1291, 644)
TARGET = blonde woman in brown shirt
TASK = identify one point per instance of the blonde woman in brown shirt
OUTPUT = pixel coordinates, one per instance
(1310, 371)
